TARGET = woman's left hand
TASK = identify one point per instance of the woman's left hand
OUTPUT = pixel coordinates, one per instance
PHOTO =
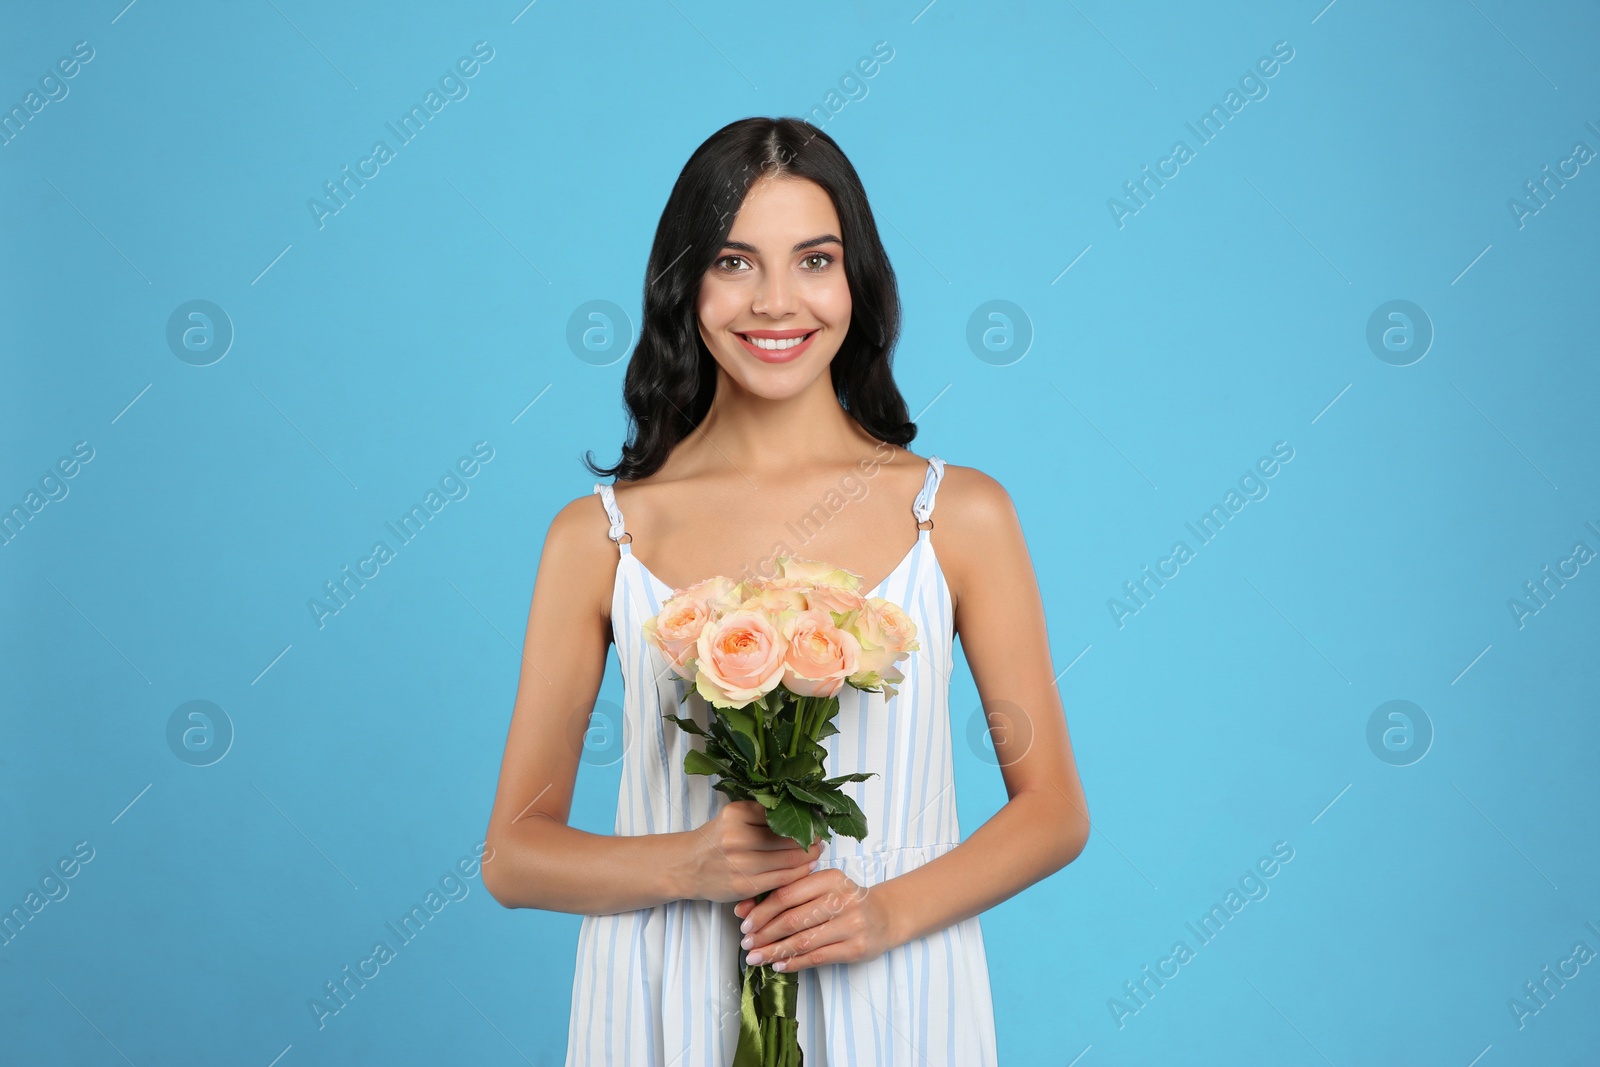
(825, 917)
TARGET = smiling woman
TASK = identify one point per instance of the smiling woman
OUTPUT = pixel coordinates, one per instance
(760, 382)
(800, 285)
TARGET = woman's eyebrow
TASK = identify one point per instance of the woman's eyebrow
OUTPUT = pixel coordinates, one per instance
(827, 238)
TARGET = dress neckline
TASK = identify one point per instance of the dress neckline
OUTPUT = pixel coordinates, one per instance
(877, 590)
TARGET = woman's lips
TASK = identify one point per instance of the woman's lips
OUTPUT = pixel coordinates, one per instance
(779, 355)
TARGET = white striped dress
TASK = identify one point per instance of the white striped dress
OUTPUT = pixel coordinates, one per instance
(659, 987)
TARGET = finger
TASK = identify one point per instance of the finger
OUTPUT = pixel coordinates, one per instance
(762, 835)
(794, 874)
(772, 839)
(831, 895)
(793, 854)
(799, 944)
(790, 859)
(837, 952)
(750, 811)
(759, 922)
(742, 909)
(769, 882)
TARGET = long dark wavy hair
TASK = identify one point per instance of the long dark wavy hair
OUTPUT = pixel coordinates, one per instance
(672, 376)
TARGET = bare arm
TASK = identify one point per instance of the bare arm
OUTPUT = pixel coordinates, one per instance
(1000, 617)
(538, 860)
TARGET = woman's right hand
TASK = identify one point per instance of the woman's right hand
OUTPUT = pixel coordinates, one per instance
(735, 855)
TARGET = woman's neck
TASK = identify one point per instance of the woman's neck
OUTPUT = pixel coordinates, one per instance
(758, 435)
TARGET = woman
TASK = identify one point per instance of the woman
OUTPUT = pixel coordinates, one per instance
(766, 422)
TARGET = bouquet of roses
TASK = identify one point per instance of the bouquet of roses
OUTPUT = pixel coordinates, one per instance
(770, 656)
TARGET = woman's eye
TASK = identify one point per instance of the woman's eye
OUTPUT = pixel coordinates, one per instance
(821, 260)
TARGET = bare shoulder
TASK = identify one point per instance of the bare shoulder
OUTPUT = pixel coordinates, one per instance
(637, 498)
(977, 528)
(579, 556)
(582, 521)
(973, 506)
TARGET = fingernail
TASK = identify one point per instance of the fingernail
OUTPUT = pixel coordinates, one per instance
(815, 864)
(744, 928)
(754, 958)
(746, 943)
(779, 965)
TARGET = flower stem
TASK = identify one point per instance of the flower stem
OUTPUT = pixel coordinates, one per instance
(761, 730)
(801, 707)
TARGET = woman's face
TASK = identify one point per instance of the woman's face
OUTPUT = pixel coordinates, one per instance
(775, 306)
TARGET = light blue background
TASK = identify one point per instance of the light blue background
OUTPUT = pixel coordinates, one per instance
(1229, 313)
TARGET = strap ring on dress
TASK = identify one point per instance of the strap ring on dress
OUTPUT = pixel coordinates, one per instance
(625, 539)
(927, 527)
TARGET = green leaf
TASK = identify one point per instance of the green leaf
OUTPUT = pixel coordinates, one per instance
(736, 750)
(688, 725)
(767, 800)
(850, 824)
(741, 730)
(826, 799)
(828, 730)
(792, 819)
(817, 797)
(801, 765)
(742, 720)
(859, 776)
(719, 752)
(697, 762)
(851, 807)
(784, 733)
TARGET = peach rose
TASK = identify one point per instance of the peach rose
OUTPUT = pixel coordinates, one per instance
(816, 572)
(886, 634)
(835, 599)
(739, 658)
(721, 594)
(675, 630)
(820, 656)
(761, 583)
(778, 601)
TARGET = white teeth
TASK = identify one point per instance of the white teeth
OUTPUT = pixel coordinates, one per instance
(775, 345)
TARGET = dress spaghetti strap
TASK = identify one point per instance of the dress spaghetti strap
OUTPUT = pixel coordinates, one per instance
(922, 507)
(608, 497)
